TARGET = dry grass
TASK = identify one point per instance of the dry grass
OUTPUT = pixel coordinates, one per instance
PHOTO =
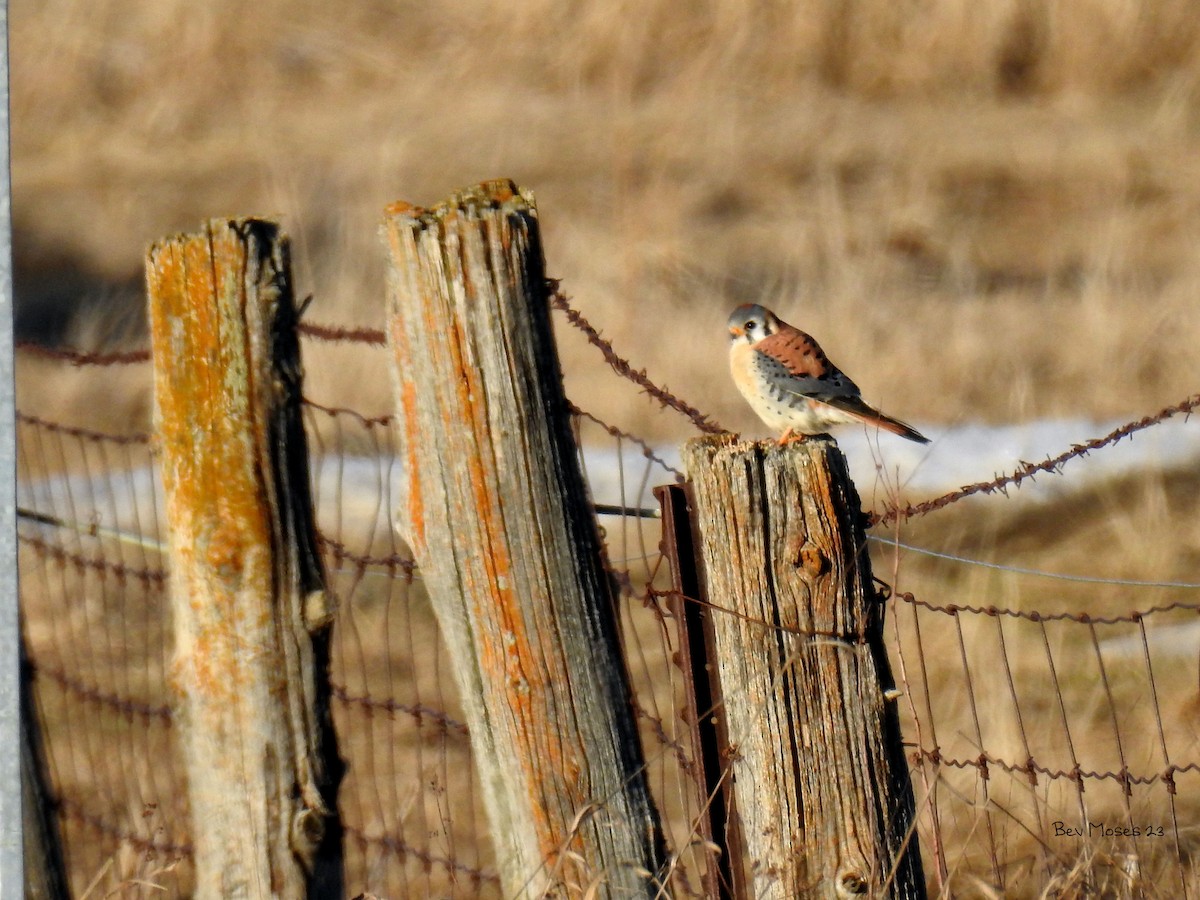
(984, 211)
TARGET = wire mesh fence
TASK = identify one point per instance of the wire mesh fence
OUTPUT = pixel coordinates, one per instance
(1052, 749)
(1047, 748)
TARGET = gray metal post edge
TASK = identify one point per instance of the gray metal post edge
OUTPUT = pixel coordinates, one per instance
(11, 875)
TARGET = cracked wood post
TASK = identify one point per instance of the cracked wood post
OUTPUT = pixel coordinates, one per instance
(821, 784)
(247, 588)
(494, 507)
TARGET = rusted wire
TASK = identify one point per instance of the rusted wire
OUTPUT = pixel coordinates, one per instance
(393, 562)
(398, 847)
(389, 705)
(401, 567)
(126, 707)
(121, 571)
(1028, 470)
(336, 411)
(647, 450)
(73, 810)
(330, 333)
(660, 732)
(953, 609)
(337, 333)
(624, 368)
(1030, 768)
(86, 434)
(83, 357)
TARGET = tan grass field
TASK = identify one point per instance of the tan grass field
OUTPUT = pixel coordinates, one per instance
(985, 211)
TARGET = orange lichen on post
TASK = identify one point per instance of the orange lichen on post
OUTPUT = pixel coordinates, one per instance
(241, 568)
(416, 511)
(494, 505)
(213, 489)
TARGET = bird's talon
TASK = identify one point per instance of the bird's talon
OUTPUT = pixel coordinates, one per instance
(790, 437)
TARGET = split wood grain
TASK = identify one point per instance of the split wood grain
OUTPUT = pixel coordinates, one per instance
(822, 793)
(249, 613)
(494, 507)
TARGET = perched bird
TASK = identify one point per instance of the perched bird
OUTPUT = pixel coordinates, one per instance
(790, 382)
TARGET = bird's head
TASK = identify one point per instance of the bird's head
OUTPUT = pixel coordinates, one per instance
(751, 323)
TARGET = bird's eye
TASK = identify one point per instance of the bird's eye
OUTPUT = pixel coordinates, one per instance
(751, 325)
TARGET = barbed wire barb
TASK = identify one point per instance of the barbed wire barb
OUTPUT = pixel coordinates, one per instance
(624, 368)
(1026, 470)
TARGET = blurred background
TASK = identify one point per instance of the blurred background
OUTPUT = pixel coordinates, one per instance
(985, 211)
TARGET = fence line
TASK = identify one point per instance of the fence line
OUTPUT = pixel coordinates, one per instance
(1039, 573)
(84, 357)
(954, 609)
(338, 333)
(1029, 470)
(994, 780)
(624, 368)
(656, 723)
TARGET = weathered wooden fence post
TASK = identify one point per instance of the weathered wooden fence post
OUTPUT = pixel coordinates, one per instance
(495, 509)
(822, 788)
(248, 604)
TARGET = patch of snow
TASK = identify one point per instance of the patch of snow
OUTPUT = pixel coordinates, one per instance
(356, 495)
(956, 457)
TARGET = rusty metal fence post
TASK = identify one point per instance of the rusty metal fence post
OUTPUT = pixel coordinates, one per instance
(703, 711)
(494, 507)
(823, 801)
(247, 588)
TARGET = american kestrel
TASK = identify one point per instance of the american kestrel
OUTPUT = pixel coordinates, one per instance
(790, 382)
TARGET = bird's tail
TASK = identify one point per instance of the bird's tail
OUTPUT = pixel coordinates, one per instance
(873, 417)
(895, 426)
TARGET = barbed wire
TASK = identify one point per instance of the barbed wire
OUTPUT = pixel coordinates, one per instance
(393, 561)
(330, 333)
(403, 849)
(111, 699)
(1032, 768)
(623, 367)
(336, 333)
(1135, 616)
(1028, 470)
(334, 412)
(397, 566)
(74, 810)
(419, 712)
(686, 763)
(119, 570)
(84, 357)
(647, 450)
(86, 434)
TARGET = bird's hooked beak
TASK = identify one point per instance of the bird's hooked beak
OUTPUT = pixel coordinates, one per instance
(737, 331)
